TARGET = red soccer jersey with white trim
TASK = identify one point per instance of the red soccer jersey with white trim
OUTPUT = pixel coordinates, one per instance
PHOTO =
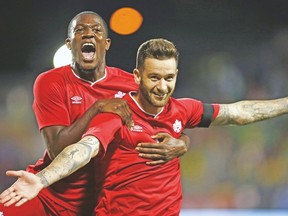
(130, 187)
(60, 98)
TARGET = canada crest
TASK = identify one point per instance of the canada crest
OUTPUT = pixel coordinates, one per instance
(177, 126)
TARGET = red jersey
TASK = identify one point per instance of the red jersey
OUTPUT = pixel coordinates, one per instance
(60, 98)
(130, 187)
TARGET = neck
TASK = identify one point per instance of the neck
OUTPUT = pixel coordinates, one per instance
(91, 75)
(146, 105)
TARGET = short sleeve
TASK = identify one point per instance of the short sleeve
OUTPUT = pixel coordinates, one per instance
(198, 113)
(104, 126)
(49, 105)
(210, 112)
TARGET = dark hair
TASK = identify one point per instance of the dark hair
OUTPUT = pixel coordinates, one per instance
(88, 12)
(156, 48)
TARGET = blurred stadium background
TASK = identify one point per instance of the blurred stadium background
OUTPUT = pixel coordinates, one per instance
(229, 51)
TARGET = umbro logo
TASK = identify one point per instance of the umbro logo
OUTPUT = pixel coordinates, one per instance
(75, 100)
(137, 128)
(119, 94)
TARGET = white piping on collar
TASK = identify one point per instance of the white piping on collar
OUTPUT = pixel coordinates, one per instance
(91, 83)
(154, 115)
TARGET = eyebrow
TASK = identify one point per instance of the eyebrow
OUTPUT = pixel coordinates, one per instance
(88, 25)
(157, 74)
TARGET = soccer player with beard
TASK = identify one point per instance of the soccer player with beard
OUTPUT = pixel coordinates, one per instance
(129, 186)
(65, 101)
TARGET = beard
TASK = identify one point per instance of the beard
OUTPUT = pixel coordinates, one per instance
(83, 70)
(149, 97)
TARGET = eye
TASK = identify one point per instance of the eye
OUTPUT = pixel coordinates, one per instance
(96, 30)
(154, 78)
(170, 78)
(78, 29)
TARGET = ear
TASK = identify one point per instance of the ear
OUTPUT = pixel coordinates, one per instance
(108, 43)
(137, 77)
(68, 43)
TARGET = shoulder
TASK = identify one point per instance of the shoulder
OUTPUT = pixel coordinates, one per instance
(52, 76)
(120, 79)
(186, 101)
(187, 105)
(114, 71)
(51, 79)
(193, 106)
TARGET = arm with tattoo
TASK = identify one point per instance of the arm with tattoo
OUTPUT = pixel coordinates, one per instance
(28, 185)
(72, 158)
(249, 111)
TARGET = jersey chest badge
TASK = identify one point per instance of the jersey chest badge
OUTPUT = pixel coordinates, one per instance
(177, 126)
(137, 128)
(119, 94)
(76, 100)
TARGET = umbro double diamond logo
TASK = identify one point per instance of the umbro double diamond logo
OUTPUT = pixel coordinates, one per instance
(75, 100)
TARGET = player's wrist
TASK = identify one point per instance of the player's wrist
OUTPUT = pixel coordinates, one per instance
(97, 108)
(42, 180)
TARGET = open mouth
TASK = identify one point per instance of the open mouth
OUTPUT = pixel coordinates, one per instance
(88, 51)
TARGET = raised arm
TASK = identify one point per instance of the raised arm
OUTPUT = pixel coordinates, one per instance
(52, 113)
(249, 111)
(59, 137)
(28, 185)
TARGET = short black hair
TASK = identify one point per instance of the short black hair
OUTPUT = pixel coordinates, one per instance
(87, 12)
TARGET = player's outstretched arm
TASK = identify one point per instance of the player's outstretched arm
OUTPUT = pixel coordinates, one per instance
(165, 150)
(249, 111)
(68, 161)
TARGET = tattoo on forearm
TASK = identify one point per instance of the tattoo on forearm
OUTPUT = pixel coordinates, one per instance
(43, 180)
(69, 160)
(246, 112)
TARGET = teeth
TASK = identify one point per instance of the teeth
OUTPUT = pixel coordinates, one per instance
(160, 95)
(88, 44)
(88, 48)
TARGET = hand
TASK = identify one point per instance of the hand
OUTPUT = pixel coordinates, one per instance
(25, 188)
(167, 149)
(118, 106)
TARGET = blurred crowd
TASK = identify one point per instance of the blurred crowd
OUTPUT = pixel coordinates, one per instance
(247, 166)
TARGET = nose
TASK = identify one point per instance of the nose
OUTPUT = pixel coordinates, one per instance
(87, 36)
(88, 33)
(162, 86)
